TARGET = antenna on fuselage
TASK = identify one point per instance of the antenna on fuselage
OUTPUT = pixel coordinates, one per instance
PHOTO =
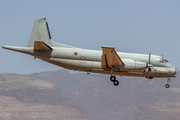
(162, 58)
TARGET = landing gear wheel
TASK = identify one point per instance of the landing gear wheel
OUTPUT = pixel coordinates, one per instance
(116, 83)
(112, 78)
(167, 85)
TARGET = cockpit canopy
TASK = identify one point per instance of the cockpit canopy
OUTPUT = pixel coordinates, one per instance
(164, 60)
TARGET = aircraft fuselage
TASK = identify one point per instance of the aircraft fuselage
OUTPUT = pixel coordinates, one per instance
(90, 61)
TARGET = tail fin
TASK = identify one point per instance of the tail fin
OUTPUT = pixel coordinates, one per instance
(40, 32)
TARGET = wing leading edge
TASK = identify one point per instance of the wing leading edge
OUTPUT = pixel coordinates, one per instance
(110, 58)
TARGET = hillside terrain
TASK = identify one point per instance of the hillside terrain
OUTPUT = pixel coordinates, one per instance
(133, 99)
(23, 98)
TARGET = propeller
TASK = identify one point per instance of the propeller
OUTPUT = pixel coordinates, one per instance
(149, 65)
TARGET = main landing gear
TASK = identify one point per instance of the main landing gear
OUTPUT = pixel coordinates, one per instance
(113, 79)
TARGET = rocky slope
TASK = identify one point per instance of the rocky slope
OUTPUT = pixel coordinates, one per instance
(23, 98)
(133, 99)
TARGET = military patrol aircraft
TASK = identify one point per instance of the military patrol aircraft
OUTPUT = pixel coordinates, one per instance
(107, 61)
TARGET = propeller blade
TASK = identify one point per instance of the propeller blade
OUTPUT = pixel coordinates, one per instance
(149, 57)
(149, 64)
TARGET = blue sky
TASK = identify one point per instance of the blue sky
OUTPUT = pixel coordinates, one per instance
(140, 26)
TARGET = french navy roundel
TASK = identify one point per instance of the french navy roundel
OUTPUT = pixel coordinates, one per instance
(82, 57)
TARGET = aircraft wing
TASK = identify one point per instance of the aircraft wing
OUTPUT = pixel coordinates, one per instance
(110, 58)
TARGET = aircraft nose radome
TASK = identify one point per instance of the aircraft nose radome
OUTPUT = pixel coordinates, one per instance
(176, 71)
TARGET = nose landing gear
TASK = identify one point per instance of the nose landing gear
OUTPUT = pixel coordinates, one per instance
(167, 85)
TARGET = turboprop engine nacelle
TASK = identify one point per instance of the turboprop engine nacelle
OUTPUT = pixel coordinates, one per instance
(133, 65)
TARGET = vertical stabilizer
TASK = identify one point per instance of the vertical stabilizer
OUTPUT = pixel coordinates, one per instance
(40, 32)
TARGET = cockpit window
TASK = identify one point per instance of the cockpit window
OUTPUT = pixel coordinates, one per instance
(164, 60)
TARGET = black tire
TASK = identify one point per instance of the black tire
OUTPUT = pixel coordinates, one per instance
(167, 85)
(112, 78)
(116, 83)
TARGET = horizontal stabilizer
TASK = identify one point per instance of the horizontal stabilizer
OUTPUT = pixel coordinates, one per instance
(40, 45)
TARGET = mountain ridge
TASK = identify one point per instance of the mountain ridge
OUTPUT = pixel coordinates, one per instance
(27, 98)
(134, 98)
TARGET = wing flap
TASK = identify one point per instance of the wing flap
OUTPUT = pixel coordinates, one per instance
(104, 61)
(40, 45)
(110, 56)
